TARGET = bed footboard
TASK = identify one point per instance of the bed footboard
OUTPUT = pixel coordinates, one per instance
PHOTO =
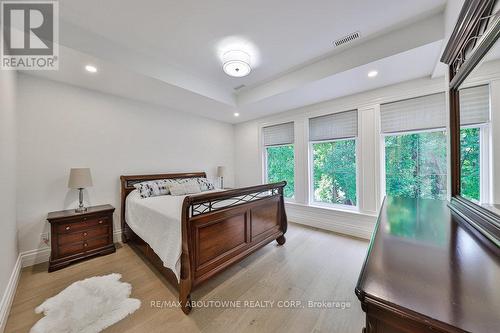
(221, 228)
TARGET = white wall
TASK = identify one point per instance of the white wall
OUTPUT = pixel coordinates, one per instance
(62, 126)
(248, 155)
(8, 237)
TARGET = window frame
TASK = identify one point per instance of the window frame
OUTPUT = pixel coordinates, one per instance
(383, 171)
(311, 200)
(265, 173)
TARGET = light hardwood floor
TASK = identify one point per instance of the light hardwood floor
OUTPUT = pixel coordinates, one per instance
(313, 265)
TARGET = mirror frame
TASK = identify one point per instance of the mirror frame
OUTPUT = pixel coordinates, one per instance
(475, 33)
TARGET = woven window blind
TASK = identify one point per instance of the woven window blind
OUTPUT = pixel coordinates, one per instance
(426, 112)
(340, 125)
(474, 105)
(282, 134)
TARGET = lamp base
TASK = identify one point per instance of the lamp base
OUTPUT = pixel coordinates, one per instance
(81, 210)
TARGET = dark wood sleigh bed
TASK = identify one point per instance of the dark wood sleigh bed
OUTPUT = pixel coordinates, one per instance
(218, 229)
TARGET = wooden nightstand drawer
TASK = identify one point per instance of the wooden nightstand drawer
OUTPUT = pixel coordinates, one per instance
(87, 245)
(80, 236)
(82, 224)
(76, 236)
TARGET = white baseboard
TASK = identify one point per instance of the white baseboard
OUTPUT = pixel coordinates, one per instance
(34, 257)
(344, 222)
(9, 293)
(25, 259)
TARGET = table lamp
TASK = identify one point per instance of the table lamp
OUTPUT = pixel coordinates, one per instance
(220, 173)
(80, 178)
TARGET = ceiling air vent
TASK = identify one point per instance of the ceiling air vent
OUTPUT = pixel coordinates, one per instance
(347, 39)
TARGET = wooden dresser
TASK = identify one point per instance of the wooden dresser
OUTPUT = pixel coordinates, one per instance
(426, 272)
(76, 236)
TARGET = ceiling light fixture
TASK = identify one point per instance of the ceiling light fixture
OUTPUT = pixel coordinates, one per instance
(236, 114)
(372, 73)
(91, 69)
(236, 63)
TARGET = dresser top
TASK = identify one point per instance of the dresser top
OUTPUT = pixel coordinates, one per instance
(71, 212)
(422, 259)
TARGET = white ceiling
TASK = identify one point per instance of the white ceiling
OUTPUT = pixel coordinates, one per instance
(166, 52)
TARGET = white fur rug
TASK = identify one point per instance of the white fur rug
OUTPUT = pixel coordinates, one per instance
(87, 306)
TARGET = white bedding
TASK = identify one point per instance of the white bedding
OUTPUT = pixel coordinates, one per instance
(157, 220)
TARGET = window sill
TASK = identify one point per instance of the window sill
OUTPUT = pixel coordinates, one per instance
(336, 209)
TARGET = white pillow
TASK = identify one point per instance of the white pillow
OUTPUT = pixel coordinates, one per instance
(186, 188)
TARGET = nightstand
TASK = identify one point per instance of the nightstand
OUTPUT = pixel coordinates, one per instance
(76, 236)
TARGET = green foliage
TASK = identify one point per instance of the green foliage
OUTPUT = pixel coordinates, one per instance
(470, 163)
(416, 165)
(280, 166)
(334, 172)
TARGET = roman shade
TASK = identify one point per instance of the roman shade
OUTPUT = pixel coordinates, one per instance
(340, 125)
(281, 134)
(474, 105)
(426, 112)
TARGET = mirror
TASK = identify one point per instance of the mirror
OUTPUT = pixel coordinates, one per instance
(479, 100)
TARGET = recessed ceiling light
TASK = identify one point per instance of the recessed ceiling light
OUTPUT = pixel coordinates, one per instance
(372, 73)
(236, 63)
(91, 69)
(236, 114)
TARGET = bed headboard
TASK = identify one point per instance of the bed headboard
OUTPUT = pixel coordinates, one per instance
(127, 184)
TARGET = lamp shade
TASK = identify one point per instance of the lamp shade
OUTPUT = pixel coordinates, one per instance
(221, 171)
(79, 178)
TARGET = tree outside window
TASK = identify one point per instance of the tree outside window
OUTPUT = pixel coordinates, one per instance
(280, 162)
(416, 165)
(334, 172)
(470, 152)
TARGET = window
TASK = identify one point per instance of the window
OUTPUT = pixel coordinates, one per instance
(415, 165)
(415, 147)
(470, 150)
(474, 120)
(333, 158)
(279, 156)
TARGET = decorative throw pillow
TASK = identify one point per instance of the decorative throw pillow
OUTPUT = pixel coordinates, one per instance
(205, 184)
(177, 181)
(152, 188)
(186, 188)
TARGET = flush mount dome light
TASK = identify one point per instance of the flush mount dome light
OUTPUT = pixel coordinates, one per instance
(91, 69)
(236, 63)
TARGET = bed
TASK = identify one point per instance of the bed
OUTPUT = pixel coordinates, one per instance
(191, 238)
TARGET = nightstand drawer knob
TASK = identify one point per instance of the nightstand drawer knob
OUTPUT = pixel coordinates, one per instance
(101, 221)
(68, 227)
(85, 234)
(85, 219)
(85, 244)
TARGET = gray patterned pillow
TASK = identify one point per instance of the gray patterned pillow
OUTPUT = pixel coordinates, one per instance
(159, 187)
(205, 184)
(152, 188)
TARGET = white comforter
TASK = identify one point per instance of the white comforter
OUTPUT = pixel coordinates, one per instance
(157, 220)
